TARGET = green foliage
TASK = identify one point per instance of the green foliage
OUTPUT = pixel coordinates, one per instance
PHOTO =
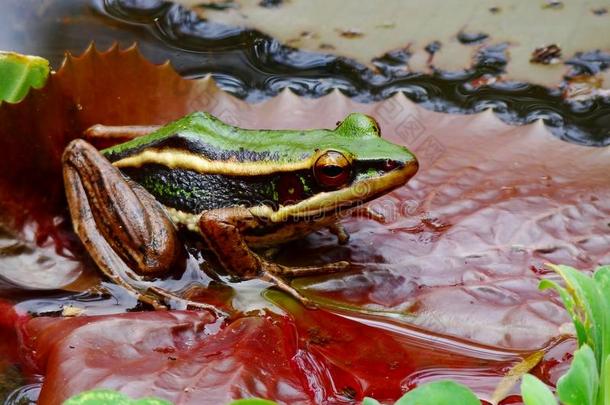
(110, 397)
(579, 386)
(587, 300)
(443, 392)
(535, 392)
(18, 73)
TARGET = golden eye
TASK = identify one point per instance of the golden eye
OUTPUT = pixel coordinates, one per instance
(332, 169)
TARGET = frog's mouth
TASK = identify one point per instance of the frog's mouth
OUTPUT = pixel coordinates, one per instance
(324, 204)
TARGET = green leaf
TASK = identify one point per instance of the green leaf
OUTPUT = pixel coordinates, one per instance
(18, 73)
(570, 305)
(580, 384)
(253, 401)
(110, 397)
(587, 300)
(535, 392)
(370, 401)
(442, 392)
(587, 306)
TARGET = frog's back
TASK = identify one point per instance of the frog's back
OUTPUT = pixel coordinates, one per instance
(199, 163)
(204, 135)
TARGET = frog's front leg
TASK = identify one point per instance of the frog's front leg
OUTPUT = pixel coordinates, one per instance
(339, 231)
(222, 230)
(123, 228)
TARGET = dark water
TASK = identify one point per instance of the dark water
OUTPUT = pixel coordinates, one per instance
(254, 66)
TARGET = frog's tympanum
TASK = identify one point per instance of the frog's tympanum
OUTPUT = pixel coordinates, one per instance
(239, 189)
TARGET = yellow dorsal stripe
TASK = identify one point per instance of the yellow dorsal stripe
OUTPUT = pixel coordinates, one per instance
(179, 159)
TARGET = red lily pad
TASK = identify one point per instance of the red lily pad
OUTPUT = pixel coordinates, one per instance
(187, 358)
(179, 356)
(456, 264)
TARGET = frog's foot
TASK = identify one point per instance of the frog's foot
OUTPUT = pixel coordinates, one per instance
(368, 213)
(286, 287)
(142, 295)
(277, 274)
(339, 231)
(117, 133)
(174, 301)
(289, 271)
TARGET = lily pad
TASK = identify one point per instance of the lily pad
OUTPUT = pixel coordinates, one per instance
(454, 268)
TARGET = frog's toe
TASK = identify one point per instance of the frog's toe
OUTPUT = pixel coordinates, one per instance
(175, 301)
(285, 286)
(339, 231)
(289, 271)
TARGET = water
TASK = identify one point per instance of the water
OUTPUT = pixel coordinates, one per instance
(255, 66)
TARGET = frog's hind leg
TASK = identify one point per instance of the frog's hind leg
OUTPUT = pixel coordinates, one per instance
(125, 231)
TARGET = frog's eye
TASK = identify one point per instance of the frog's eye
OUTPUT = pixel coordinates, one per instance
(332, 169)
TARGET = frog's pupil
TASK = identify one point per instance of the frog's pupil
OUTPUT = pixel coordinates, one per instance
(332, 170)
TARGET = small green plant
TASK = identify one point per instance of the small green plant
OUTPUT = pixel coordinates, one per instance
(587, 382)
(19, 73)
(442, 392)
(110, 397)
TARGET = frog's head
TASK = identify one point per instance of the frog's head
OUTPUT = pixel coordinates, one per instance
(350, 165)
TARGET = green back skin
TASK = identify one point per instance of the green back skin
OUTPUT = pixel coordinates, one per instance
(356, 137)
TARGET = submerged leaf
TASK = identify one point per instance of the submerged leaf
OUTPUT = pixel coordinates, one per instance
(178, 356)
(19, 73)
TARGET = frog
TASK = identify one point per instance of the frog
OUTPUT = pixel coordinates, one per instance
(238, 190)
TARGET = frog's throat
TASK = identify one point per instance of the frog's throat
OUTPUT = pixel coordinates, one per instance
(178, 159)
(327, 203)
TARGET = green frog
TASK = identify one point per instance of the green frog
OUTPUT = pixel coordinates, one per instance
(239, 189)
